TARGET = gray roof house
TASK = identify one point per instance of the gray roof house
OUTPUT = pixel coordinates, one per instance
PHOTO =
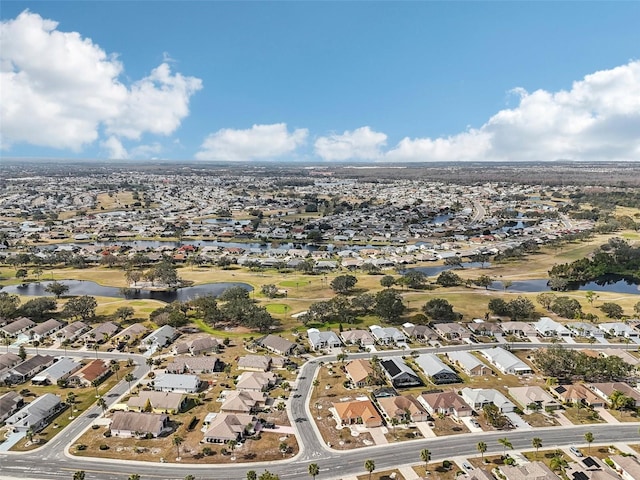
(469, 363)
(528, 395)
(72, 331)
(10, 403)
(170, 382)
(387, 335)
(362, 337)
(58, 371)
(100, 333)
(197, 346)
(159, 338)
(35, 415)
(419, 332)
(44, 329)
(321, 340)
(506, 361)
(437, 371)
(277, 344)
(131, 424)
(27, 369)
(399, 373)
(195, 365)
(18, 326)
(548, 327)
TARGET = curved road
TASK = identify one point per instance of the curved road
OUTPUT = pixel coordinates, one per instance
(53, 462)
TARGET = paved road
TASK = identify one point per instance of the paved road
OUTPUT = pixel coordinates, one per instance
(51, 461)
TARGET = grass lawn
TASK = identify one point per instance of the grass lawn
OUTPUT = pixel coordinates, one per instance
(546, 456)
(386, 475)
(437, 472)
(582, 416)
(279, 308)
(624, 415)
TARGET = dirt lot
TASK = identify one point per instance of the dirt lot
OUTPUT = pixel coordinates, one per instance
(448, 426)
(437, 472)
(386, 475)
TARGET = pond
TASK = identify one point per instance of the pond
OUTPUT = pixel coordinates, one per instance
(607, 283)
(85, 287)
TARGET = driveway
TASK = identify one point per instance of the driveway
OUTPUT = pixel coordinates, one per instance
(11, 439)
(377, 433)
(606, 416)
(425, 430)
(517, 420)
(472, 428)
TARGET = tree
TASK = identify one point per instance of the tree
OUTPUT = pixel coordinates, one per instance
(252, 475)
(22, 273)
(506, 284)
(39, 308)
(505, 444)
(79, 475)
(536, 442)
(546, 299)
(387, 281)
(22, 353)
(482, 448)
(8, 305)
(557, 462)
(129, 378)
(566, 307)
(454, 261)
(36, 344)
(588, 437)
(37, 272)
(134, 476)
(591, 297)
(341, 357)
(440, 310)
(57, 289)
(115, 367)
(483, 281)
(620, 401)
(636, 308)
(124, 313)
(102, 403)
(314, 470)
(369, 466)
(612, 310)
(269, 290)
(389, 305)
(449, 278)
(343, 284)
(425, 456)
(284, 448)
(267, 475)
(190, 477)
(83, 307)
(177, 441)
(414, 279)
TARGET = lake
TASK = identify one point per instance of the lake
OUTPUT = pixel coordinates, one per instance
(85, 287)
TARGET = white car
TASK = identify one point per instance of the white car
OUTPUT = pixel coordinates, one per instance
(575, 451)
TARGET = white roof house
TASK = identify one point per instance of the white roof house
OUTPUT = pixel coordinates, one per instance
(619, 329)
(36, 414)
(159, 338)
(58, 371)
(387, 335)
(469, 363)
(438, 371)
(320, 340)
(583, 329)
(548, 327)
(506, 361)
(479, 397)
(173, 382)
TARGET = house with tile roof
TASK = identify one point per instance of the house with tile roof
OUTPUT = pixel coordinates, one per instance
(361, 412)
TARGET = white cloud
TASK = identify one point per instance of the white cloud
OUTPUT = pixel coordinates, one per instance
(59, 89)
(115, 149)
(598, 119)
(361, 143)
(257, 142)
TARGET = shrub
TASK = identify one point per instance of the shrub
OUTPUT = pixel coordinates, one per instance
(107, 434)
(81, 446)
(104, 447)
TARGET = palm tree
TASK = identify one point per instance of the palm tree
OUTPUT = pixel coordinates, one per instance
(482, 448)
(115, 367)
(177, 441)
(232, 445)
(190, 477)
(425, 456)
(71, 398)
(134, 476)
(95, 348)
(252, 475)
(314, 470)
(129, 378)
(102, 403)
(536, 442)
(589, 439)
(369, 466)
(95, 384)
(505, 444)
(78, 475)
(65, 343)
(36, 344)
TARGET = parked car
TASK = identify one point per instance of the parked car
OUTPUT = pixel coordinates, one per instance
(576, 451)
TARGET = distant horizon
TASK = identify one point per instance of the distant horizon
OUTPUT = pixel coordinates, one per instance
(320, 82)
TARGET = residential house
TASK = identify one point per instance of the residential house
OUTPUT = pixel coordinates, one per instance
(197, 346)
(139, 424)
(587, 330)
(30, 367)
(548, 327)
(60, 370)
(244, 401)
(323, 340)
(358, 337)
(469, 363)
(194, 365)
(445, 403)
(256, 381)
(534, 394)
(506, 361)
(387, 335)
(480, 474)
(479, 397)
(589, 468)
(438, 372)
(399, 373)
(35, 416)
(577, 393)
(157, 402)
(359, 371)
(403, 408)
(159, 338)
(227, 427)
(132, 333)
(10, 403)
(605, 390)
(18, 326)
(452, 331)
(72, 331)
(170, 382)
(256, 363)
(623, 355)
(277, 344)
(360, 412)
(93, 372)
(527, 471)
(45, 329)
(627, 466)
(520, 329)
(419, 332)
(485, 329)
(619, 329)
(8, 360)
(100, 334)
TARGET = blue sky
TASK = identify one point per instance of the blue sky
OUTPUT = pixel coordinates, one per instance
(321, 81)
